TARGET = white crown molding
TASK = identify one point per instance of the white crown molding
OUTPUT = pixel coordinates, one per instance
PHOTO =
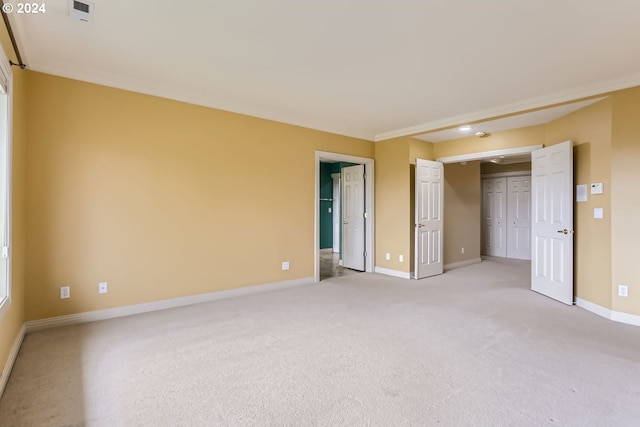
(112, 313)
(13, 354)
(394, 273)
(517, 107)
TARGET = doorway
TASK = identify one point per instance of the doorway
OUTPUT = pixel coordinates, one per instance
(335, 173)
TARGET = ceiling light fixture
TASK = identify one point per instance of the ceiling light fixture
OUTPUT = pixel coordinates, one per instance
(465, 128)
(481, 134)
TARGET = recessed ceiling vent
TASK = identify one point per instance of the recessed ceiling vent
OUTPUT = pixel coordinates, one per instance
(81, 10)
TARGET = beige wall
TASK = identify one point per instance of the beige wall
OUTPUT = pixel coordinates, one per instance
(511, 167)
(161, 199)
(625, 200)
(393, 202)
(12, 321)
(462, 203)
(420, 150)
(590, 130)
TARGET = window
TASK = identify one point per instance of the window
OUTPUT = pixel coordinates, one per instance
(5, 168)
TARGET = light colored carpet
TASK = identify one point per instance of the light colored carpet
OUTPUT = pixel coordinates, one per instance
(471, 347)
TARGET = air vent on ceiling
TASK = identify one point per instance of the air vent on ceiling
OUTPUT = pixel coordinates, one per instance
(81, 10)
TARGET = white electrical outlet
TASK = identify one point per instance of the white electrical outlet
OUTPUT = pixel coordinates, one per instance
(462, 250)
(623, 290)
(65, 292)
(103, 288)
(285, 265)
(401, 258)
(387, 256)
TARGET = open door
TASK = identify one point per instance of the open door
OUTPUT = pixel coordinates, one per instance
(353, 217)
(429, 199)
(552, 222)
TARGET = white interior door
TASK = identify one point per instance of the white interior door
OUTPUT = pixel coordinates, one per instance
(353, 217)
(519, 217)
(494, 211)
(428, 228)
(336, 212)
(552, 222)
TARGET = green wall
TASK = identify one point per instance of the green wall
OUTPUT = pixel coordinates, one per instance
(326, 206)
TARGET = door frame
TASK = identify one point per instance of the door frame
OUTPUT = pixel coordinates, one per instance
(323, 156)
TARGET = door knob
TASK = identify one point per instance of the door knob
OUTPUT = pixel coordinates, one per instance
(565, 231)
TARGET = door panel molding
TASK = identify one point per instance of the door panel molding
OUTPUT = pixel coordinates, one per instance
(552, 222)
(353, 216)
(429, 206)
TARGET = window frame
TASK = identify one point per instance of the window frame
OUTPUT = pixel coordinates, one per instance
(6, 73)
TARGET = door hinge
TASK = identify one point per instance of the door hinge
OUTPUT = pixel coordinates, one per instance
(364, 254)
(364, 215)
(5, 252)
(364, 176)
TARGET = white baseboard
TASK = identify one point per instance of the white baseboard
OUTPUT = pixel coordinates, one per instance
(629, 319)
(462, 263)
(394, 273)
(112, 313)
(616, 316)
(13, 354)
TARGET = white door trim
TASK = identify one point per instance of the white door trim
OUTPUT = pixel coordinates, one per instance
(369, 206)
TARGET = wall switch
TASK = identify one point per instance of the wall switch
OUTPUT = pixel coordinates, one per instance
(102, 288)
(65, 292)
(597, 188)
(598, 213)
(623, 290)
(401, 258)
(387, 256)
(462, 250)
(285, 265)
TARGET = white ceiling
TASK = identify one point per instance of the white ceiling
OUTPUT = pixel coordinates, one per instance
(373, 69)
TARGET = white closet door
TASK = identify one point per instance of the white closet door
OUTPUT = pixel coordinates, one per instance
(519, 217)
(494, 210)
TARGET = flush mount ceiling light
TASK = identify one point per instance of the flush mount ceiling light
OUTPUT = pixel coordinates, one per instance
(481, 134)
(465, 128)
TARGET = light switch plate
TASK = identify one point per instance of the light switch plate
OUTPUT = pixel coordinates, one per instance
(598, 213)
